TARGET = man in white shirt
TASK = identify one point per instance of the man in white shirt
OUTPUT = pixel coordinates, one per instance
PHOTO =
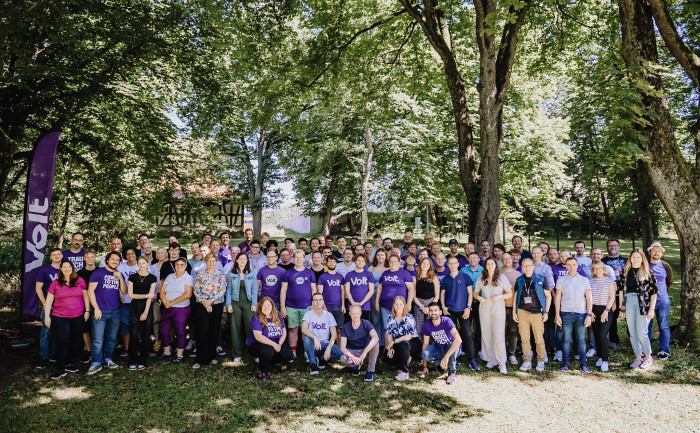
(320, 335)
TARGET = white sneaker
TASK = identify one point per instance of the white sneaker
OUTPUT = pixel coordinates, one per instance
(591, 353)
(513, 360)
(502, 368)
(546, 358)
(636, 363)
(604, 366)
(527, 366)
(111, 364)
(540, 366)
(190, 345)
(237, 359)
(401, 376)
(558, 356)
(491, 364)
(599, 362)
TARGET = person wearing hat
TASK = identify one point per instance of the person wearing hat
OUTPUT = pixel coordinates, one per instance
(664, 278)
(454, 252)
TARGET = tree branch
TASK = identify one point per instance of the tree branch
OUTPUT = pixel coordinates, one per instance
(506, 54)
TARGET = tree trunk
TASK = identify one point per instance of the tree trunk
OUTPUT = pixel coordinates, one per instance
(645, 195)
(671, 176)
(328, 203)
(482, 186)
(365, 180)
(66, 209)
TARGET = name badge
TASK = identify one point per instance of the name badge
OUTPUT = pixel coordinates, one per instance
(528, 300)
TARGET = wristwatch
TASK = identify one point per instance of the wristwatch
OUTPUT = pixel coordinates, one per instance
(589, 315)
(607, 309)
(469, 306)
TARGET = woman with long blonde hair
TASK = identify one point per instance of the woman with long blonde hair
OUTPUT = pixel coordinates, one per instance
(638, 291)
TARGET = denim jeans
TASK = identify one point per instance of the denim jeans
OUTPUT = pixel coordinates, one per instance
(637, 325)
(434, 354)
(574, 323)
(663, 308)
(312, 353)
(104, 336)
(47, 345)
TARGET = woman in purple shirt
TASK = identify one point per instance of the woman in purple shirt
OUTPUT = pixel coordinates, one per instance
(268, 338)
(393, 282)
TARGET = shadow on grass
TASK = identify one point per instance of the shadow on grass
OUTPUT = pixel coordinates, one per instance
(223, 397)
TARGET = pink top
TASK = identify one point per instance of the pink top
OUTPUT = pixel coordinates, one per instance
(68, 301)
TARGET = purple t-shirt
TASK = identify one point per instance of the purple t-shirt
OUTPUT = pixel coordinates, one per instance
(270, 282)
(332, 284)
(224, 256)
(46, 275)
(441, 334)
(359, 286)
(78, 259)
(441, 274)
(413, 272)
(273, 332)
(393, 285)
(299, 287)
(107, 290)
(358, 338)
(244, 247)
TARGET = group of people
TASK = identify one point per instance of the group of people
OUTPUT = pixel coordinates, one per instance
(351, 303)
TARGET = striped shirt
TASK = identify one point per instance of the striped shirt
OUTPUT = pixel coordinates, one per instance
(599, 290)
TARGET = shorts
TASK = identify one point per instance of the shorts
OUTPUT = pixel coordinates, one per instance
(295, 316)
(124, 318)
(337, 313)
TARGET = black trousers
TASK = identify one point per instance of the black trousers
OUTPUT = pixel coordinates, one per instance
(465, 330)
(140, 332)
(402, 352)
(613, 335)
(267, 356)
(474, 317)
(600, 332)
(69, 338)
(207, 325)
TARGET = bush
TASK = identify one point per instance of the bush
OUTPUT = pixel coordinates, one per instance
(10, 256)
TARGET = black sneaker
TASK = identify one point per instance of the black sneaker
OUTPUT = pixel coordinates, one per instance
(70, 368)
(220, 351)
(321, 363)
(663, 356)
(43, 362)
(177, 361)
(164, 357)
(314, 370)
(356, 371)
(369, 376)
(59, 374)
(132, 367)
(88, 360)
(52, 359)
(124, 354)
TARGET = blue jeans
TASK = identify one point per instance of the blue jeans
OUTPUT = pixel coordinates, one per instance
(104, 336)
(311, 353)
(124, 317)
(573, 323)
(46, 343)
(637, 325)
(434, 354)
(663, 308)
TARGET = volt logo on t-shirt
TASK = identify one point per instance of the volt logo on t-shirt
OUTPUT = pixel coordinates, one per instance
(318, 326)
(301, 280)
(271, 280)
(392, 278)
(333, 283)
(360, 281)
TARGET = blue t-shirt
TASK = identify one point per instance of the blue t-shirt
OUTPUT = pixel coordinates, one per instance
(299, 287)
(440, 334)
(46, 275)
(332, 287)
(107, 290)
(271, 282)
(660, 274)
(358, 338)
(78, 259)
(359, 286)
(456, 293)
(393, 285)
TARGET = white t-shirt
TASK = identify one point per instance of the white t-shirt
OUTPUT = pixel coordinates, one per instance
(126, 270)
(343, 269)
(176, 288)
(321, 325)
(573, 293)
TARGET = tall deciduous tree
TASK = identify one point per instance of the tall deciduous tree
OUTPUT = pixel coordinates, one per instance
(496, 57)
(675, 180)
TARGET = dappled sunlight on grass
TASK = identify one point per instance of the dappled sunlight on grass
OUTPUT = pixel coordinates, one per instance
(224, 401)
(47, 395)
